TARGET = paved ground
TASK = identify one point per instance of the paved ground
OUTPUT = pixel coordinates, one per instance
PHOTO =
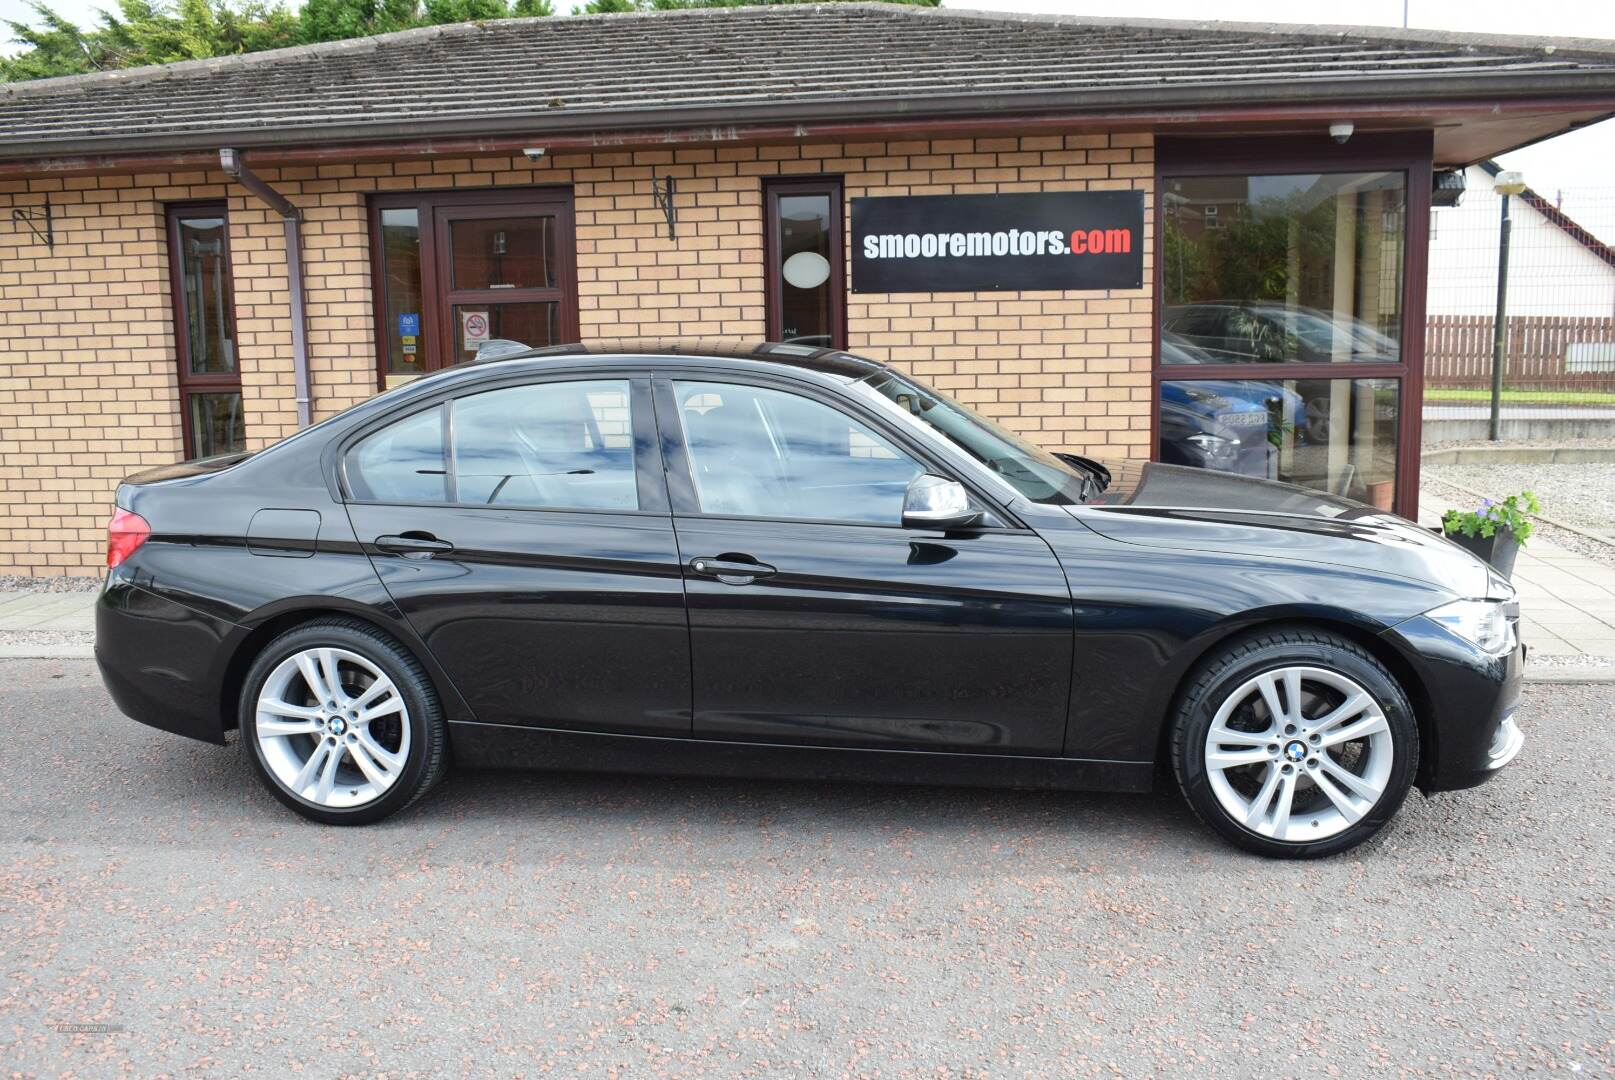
(584, 925)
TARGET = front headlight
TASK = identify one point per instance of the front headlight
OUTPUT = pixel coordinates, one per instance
(1483, 623)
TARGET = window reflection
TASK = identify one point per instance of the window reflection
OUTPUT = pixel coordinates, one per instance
(1303, 268)
(403, 462)
(217, 426)
(205, 295)
(503, 253)
(402, 290)
(567, 444)
(804, 250)
(764, 453)
(1337, 435)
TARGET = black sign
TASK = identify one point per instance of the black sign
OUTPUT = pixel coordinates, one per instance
(993, 243)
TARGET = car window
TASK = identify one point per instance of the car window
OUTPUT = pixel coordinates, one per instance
(756, 452)
(403, 462)
(566, 445)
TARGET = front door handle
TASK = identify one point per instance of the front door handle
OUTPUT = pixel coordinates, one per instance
(413, 545)
(731, 569)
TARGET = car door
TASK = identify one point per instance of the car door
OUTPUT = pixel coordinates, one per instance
(524, 532)
(816, 617)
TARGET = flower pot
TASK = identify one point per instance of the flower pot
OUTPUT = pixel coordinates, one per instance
(1499, 549)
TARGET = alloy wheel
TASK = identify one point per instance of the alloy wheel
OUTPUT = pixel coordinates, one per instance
(1299, 753)
(332, 728)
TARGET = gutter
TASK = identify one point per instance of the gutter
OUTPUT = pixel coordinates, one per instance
(292, 218)
(380, 142)
(1389, 96)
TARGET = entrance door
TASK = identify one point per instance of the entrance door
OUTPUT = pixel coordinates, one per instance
(816, 617)
(454, 270)
(1291, 329)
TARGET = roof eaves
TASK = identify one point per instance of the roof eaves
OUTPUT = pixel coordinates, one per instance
(724, 117)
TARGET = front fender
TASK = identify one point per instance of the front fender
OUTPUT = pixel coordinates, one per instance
(1145, 616)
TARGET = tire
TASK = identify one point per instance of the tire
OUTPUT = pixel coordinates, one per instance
(382, 747)
(1321, 781)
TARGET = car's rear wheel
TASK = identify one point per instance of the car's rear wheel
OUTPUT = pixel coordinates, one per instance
(341, 723)
(1295, 744)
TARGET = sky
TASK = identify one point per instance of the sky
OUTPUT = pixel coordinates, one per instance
(1565, 166)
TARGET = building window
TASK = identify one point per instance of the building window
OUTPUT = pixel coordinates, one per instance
(1281, 329)
(456, 269)
(805, 289)
(204, 329)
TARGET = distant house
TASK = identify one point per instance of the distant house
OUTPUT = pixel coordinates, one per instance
(1556, 267)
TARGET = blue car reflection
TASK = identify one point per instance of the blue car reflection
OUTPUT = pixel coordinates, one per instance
(1230, 425)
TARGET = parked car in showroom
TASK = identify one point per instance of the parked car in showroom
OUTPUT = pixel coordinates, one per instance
(783, 561)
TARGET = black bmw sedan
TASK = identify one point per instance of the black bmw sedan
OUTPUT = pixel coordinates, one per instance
(787, 561)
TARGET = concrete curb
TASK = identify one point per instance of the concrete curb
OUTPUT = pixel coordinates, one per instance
(1570, 676)
(47, 652)
(1518, 455)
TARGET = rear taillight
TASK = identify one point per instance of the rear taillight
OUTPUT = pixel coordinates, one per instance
(125, 533)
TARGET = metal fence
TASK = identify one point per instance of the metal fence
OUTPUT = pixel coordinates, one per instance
(1560, 298)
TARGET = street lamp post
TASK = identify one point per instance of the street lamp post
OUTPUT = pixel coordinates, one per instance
(1505, 184)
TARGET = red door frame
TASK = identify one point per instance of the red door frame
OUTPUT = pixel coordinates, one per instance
(436, 209)
(190, 382)
(1409, 153)
(773, 301)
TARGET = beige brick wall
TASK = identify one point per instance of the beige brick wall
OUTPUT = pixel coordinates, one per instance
(88, 391)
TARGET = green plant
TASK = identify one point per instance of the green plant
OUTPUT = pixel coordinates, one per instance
(1492, 515)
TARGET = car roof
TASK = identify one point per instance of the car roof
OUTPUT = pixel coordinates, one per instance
(820, 361)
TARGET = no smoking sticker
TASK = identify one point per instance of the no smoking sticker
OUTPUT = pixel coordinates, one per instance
(473, 327)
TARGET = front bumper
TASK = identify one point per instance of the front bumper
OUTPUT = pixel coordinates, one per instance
(1470, 698)
(1506, 744)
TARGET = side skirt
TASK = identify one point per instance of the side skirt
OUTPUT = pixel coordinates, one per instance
(500, 746)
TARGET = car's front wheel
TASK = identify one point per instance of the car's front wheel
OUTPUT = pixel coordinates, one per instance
(341, 723)
(1295, 743)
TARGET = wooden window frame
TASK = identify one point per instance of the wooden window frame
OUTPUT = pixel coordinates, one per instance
(773, 300)
(1410, 153)
(439, 208)
(191, 383)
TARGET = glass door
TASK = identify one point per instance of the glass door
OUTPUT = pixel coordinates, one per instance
(1283, 347)
(456, 270)
(499, 277)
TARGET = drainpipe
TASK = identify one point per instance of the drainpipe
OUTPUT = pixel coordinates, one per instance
(230, 161)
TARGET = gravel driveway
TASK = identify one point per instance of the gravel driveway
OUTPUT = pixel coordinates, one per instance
(1581, 494)
(610, 926)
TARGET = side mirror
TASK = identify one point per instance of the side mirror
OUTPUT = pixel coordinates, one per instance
(935, 502)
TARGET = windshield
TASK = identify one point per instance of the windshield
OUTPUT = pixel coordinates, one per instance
(1030, 470)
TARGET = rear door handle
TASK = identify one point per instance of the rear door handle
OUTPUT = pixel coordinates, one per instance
(730, 569)
(414, 545)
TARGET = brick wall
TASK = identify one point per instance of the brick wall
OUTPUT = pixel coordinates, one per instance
(88, 391)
